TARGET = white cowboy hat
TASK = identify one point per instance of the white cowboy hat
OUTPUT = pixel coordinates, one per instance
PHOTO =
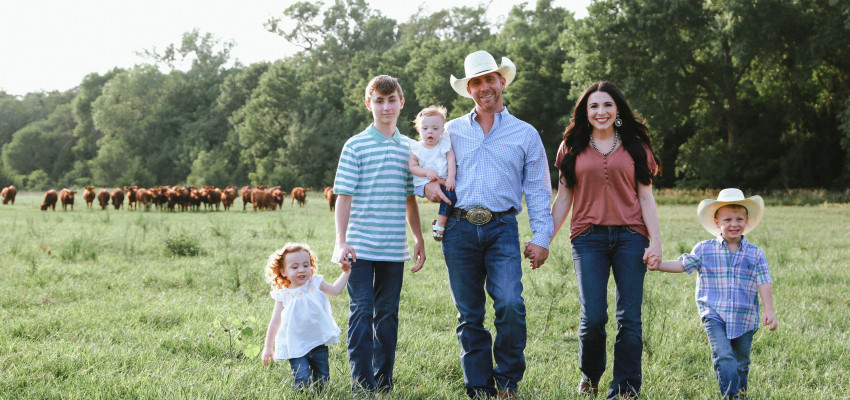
(482, 63)
(707, 208)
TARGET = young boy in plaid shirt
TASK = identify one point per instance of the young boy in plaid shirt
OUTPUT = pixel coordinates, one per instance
(731, 274)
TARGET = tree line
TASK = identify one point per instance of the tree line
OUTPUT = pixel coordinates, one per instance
(735, 92)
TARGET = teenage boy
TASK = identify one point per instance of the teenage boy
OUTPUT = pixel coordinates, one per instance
(375, 191)
(731, 275)
(499, 158)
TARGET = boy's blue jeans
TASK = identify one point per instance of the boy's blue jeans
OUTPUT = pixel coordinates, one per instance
(374, 289)
(598, 252)
(480, 257)
(311, 369)
(731, 357)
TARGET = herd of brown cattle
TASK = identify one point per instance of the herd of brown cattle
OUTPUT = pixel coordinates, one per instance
(173, 197)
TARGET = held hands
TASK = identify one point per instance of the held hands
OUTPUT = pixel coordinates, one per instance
(652, 262)
(652, 256)
(346, 268)
(536, 254)
(346, 256)
(267, 356)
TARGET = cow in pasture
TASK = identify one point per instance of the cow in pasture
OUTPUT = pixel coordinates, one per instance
(103, 198)
(260, 198)
(213, 197)
(330, 197)
(184, 198)
(117, 198)
(196, 197)
(299, 194)
(246, 196)
(143, 197)
(66, 196)
(50, 198)
(177, 196)
(158, 197)
(227, 197)
(131, 196)
(88, 195)
(277, 196)
(9, 194)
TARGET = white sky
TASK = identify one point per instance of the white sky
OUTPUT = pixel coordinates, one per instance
(52, 44)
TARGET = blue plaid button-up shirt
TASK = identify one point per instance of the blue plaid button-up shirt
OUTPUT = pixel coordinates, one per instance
(494, 171)
(727, 283)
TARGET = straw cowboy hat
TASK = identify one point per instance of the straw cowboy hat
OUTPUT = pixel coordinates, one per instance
(482, 63)
(707, 208)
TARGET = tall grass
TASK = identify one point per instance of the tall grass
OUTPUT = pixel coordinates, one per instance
(94, 304)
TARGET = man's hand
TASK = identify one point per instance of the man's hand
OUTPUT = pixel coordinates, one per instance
(536, 254)
(434, 193)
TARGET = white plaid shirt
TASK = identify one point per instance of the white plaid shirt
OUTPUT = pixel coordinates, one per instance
(494, 171)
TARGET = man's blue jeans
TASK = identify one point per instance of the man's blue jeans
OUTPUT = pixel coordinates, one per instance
(374, 288)
(310, 369)
(479, 257)
(731, 357)
(596, 253)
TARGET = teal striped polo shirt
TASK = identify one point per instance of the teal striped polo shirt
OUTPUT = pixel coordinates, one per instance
(373, 170)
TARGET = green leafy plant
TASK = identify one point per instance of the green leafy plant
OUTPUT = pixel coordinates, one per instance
(240, 336)
(182, 245)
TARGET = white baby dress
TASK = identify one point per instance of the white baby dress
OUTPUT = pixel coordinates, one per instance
(306, 320)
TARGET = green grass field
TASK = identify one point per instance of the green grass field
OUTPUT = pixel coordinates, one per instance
(98, 304)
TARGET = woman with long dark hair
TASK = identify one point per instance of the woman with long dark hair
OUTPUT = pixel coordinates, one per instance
(606, 166)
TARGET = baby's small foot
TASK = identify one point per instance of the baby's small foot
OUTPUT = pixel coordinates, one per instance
(438, 231)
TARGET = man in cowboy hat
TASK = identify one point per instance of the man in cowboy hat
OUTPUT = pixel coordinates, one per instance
(499, 158)
(731, 274)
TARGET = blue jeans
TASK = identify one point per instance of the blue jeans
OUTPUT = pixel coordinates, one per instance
(374, 288)
(310, 369)
(597, 252)
(731, 357)
(479, 257)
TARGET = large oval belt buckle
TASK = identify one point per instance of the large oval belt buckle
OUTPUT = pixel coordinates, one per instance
(479, 215)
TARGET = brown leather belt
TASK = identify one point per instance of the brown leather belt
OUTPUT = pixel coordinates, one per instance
(480, 215)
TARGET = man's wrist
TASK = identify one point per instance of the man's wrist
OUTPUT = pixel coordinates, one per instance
(544, 243)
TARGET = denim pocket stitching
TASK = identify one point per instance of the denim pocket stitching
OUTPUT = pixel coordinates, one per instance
(450, 223)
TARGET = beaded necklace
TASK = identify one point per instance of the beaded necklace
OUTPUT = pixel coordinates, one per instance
(613, 146)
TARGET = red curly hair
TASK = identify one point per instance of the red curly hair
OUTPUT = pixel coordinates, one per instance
(277, 260)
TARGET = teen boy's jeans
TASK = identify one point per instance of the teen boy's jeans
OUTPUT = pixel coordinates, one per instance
(479, 255)
(731, 357)
(596, 253)
(374, 288)
(312, 368)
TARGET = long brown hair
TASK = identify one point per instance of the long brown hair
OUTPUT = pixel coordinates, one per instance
(633, 133)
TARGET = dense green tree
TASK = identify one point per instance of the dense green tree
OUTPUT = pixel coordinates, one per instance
(18, 111)
(127, 113)
(43, 145)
